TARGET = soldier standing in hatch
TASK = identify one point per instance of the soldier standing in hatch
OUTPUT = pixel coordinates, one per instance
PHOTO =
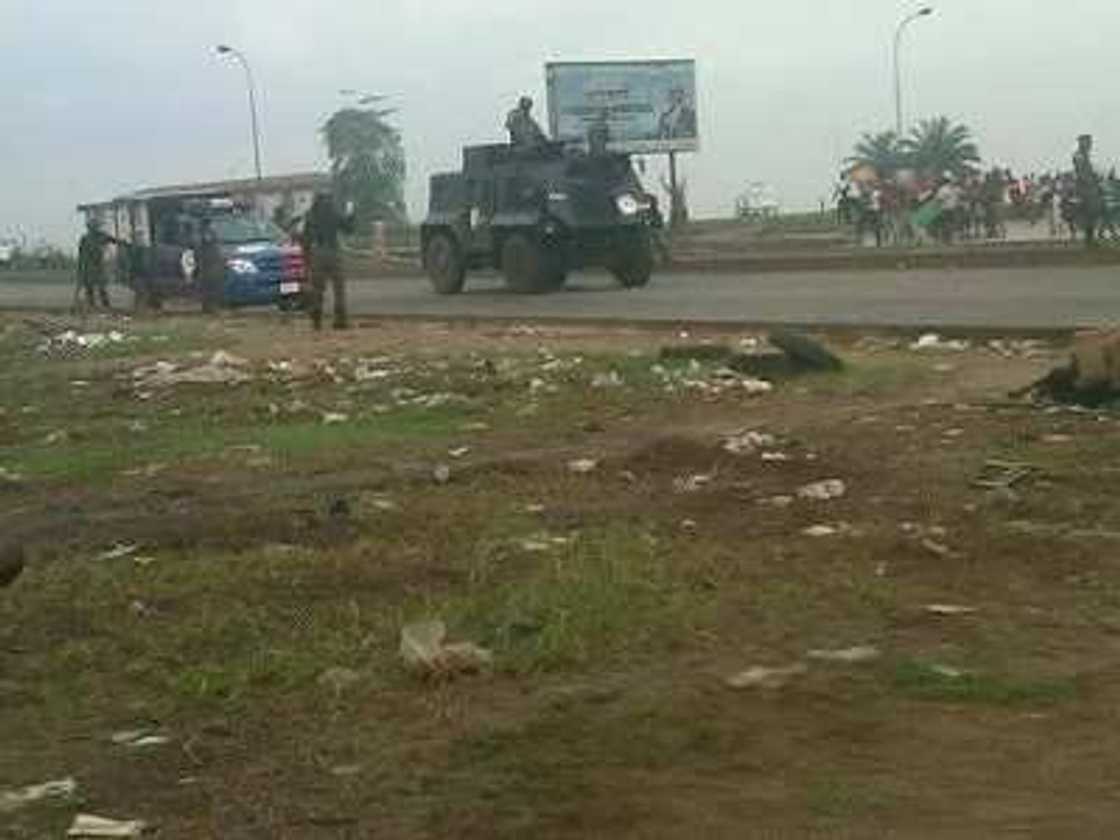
(321, 230)
(1088, 189)
(524, 132)
(91, 264)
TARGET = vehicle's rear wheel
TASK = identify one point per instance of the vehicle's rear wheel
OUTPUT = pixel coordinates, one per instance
(445, 266)
(633, 264)
(526, 266)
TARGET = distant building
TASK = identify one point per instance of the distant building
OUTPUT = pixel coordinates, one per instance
(129, 217)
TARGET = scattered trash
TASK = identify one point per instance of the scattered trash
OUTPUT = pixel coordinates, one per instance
(934, 342)
(582, 466)
(1057, 439)
(423, 650)
(607, 380)
(689, 526)
(947, 672)
(459, 452)
(88, 825)
(1003, 475)
(140, 738)
(377, 503)
(853, 655)
(768, 678)
(821, 531)
(949, 609)
(691, 483)
(338, 680)
(442, 474)
(223, 359)
(335, 418)
(13, 800)
(119, 551)
(70, 340)
(775, 457)
(940, 549)
(823, 491)
(534, 509)
(10, 476)
(747, 443)
(777, 501)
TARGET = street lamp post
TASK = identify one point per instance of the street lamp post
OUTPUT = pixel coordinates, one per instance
(222, 49)
(925, 11)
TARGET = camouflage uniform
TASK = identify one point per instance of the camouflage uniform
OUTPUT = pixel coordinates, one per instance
(91, 265)
(1089, 194)
(321, 242)
(211, 268)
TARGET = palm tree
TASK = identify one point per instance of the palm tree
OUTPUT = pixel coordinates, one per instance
(882, 152)
(938, 145)
(367, 162)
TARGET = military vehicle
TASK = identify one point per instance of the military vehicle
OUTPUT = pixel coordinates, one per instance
(536, 214)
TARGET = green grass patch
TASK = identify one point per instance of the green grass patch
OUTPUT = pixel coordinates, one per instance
(609, 593)
(930, 682)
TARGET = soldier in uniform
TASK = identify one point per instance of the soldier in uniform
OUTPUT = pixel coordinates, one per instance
(524, 132)
(1088, 189)
(211, 267)
(91, 264)
(321, 230)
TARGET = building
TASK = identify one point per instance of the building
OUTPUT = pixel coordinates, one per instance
(129, 217)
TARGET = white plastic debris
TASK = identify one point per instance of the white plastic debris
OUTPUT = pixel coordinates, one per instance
(747, 443)
(140, 738)
(691, 483)
(339, 679)
(459, 452)
(777, 501)
(950, 609)
(582, 466)
(423, 650)
(769, 678)
(934, 342)
(852, 655)
(10, 476)
(821, 531)
(119, 551)
(221, 358)
(607, 380)
(756, 387)
(441, 474)
(823, 491)
(88, 825)
(13, 800)
(335, 418)
(775, 457)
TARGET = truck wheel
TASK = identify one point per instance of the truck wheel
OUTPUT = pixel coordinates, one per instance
(445, 266)
(525, 266)
(555, 267)
(633, 265)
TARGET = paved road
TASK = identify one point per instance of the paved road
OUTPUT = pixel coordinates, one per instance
(1004, 298)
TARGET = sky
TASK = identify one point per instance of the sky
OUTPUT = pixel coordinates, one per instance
(101, 97)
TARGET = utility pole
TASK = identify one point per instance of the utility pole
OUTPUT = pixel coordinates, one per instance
(925, 11)
(222, 49)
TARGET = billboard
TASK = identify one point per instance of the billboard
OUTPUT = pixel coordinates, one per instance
(649, 106)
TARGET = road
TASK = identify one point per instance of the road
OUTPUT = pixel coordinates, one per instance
(1020, 298)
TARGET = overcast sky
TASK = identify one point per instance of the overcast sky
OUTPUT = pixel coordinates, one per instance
(100, 97)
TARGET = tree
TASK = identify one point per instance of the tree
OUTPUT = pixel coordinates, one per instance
(938, 145)
(883, 152)
(367, 162)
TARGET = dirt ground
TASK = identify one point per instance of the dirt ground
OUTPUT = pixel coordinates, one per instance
(226, 568)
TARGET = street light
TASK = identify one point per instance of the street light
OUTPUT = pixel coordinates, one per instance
(925, 11)
(222, 49)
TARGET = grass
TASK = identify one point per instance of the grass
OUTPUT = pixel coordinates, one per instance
(924, 681)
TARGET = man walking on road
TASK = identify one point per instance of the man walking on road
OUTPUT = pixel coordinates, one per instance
(1089, 194)
(91, 264)
(321, 231)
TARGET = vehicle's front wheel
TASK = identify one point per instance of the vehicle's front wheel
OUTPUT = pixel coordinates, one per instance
(633, 264)
(526, 266)
(445, 266)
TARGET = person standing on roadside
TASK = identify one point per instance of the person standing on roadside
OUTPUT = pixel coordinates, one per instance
(211, 267)
(1089, 194)
(323, 226)
(91, 264)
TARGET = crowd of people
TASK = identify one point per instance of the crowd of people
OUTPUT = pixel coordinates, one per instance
(909, 207)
